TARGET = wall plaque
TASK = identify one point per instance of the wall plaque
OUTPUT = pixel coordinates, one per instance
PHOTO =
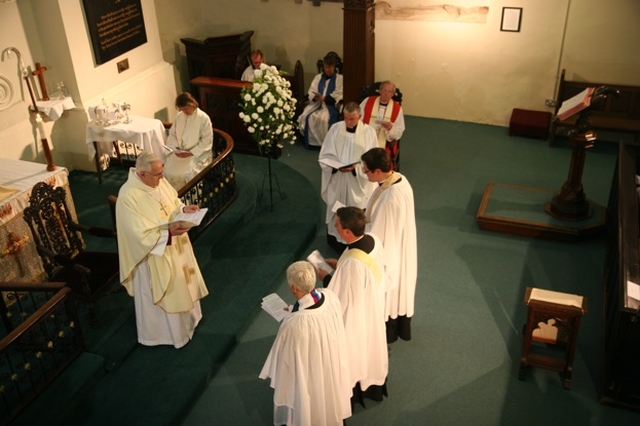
(115, 26)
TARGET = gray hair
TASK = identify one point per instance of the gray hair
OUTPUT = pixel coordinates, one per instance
(352, 107)
(144, 161)
(387, 83)
(302, 275)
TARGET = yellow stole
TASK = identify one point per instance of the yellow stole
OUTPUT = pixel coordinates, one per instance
(365, 258)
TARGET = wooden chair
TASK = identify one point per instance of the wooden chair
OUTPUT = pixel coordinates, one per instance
(374, 90)
(339, 64)
(297, 87)
(60, 244)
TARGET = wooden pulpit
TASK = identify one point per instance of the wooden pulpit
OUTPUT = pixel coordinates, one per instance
(224, 57)
(358, 46)
(551, 331)
(220, 98)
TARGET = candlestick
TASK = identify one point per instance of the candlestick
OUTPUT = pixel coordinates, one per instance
(46, 149)
(40, 127)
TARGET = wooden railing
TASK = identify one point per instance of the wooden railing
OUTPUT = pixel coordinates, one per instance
(42, 336)
(215, 186)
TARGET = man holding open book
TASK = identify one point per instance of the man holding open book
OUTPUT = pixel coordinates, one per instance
(308, 363)
(343, 179)
(360, 282)
(157, 264)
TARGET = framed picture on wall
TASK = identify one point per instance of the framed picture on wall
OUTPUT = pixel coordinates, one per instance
(511, 19)
(115, 27)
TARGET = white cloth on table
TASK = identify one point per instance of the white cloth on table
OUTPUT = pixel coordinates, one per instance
(148, 134)
(54, 108)
(21, 176)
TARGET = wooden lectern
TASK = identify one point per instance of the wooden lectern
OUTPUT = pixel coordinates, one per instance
(224, 57)
(220, 98)
(551, 331)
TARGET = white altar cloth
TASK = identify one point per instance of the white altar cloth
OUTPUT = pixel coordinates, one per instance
(22, 176)
(54, 108)
(147, 134)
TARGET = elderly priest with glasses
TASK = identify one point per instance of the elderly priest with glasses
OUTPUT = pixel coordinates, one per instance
(157, 264)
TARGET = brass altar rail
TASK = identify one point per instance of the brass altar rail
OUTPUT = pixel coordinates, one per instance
(42, 337)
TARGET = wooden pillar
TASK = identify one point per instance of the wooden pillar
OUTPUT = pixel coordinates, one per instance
(358, 46)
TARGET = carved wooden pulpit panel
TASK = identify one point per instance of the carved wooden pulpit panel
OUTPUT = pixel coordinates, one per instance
(220, 99)
(358, 46)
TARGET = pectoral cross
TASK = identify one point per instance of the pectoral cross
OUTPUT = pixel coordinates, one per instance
(14, 247)
(163, 208)
(40, 73)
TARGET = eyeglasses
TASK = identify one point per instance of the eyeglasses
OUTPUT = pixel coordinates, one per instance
(365, 170)
(155, 175)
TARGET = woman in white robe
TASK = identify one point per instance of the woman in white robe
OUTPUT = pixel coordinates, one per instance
(190, 141)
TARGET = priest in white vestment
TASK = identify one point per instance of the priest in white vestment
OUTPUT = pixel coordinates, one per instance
(343, 179)
(190, 140)
(391, 216)
(257, 64)
(157, 264)
(308, 362)
(325, 93)
(360, 283)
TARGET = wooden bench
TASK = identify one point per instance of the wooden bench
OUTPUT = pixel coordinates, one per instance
(617, 113)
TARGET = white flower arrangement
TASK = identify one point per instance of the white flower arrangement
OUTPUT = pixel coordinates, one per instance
(268, 109)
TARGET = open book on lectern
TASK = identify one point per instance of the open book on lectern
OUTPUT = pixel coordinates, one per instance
(575, 104)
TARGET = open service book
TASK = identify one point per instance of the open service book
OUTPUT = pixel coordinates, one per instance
(318, 261)
(187, 220)
(575, 104)
(275, 306)
(334, 163)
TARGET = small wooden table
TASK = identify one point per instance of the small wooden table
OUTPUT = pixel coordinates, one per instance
(551, 331)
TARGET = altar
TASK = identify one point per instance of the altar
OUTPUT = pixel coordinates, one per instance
(146, 134)
(19, 259)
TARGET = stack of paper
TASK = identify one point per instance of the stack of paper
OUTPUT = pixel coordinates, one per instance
(556, 297)
(275, 306)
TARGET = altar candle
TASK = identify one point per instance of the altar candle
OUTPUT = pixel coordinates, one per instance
(40, 126)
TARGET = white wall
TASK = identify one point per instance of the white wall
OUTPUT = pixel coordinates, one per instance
(285, 31)
(56, 35)
(455, 71)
